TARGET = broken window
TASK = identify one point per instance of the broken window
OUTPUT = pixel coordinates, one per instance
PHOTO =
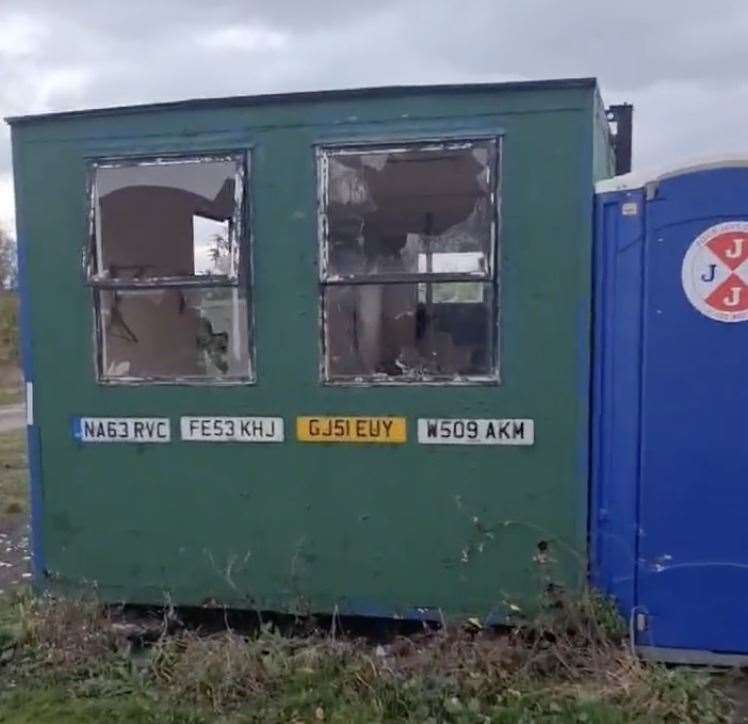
(408, 239)
(168, 270)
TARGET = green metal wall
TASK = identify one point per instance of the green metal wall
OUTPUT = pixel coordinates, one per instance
(370, 529)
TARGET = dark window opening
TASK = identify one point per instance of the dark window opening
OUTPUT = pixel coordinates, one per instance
(408, 239)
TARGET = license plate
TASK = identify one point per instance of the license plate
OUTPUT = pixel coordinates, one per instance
(472, 431)
(351, 429)
(122, 429)
(232, 429)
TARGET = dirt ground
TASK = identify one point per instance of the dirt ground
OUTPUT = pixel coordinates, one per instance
(14, 532)
(738, 692)
(11, 385)
(12, 417)
(10, 374)
(14, 554)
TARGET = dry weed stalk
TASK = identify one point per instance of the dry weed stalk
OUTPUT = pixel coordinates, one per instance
(70, 633)
(574, 650)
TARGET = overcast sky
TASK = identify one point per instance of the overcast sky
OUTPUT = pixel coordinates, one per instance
(683, 63)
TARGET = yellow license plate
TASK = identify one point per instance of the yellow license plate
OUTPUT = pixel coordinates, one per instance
(351, 429)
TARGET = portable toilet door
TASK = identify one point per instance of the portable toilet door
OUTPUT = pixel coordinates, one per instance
(670, 441)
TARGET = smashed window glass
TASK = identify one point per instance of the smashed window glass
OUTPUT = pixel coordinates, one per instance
(167, 219)
(407, 261)
(387, 209)
(174, 333)
(450, 292)
(165, 264)
(379, 331)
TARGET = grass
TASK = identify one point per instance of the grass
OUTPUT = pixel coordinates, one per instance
(64, 660)
(10, 383)
(13, 474)
(10, 395)
(9, 342)
(56, 706)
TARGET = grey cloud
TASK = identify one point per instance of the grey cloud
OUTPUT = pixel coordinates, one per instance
(676, 61)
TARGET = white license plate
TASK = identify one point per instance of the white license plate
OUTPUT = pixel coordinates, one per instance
(232, 429)
(122, 429)
(472, 431)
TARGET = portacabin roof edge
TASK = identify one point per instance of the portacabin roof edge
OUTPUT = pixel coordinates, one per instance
(297, 96)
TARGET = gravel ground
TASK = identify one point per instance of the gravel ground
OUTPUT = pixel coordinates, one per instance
(14, 554)
(12, 417)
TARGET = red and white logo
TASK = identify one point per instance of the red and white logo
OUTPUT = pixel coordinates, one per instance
(715, 272)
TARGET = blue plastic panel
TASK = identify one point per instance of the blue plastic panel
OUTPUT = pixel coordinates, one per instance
(670, 397)
(693, 569)
(616, 384)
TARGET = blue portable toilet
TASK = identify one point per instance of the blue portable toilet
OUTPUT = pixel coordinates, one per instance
(669, 501)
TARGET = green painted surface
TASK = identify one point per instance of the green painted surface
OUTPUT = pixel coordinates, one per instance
(294, 526)
(603, 157)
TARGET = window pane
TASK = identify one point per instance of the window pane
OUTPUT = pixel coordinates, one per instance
(449, 292)
(452, 292)
(409, 331)
(392, 211)
(211, 245)
(170, 333)
(169, 219)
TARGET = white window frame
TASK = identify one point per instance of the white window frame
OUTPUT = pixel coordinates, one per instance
(238, 278)
(324, 152)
